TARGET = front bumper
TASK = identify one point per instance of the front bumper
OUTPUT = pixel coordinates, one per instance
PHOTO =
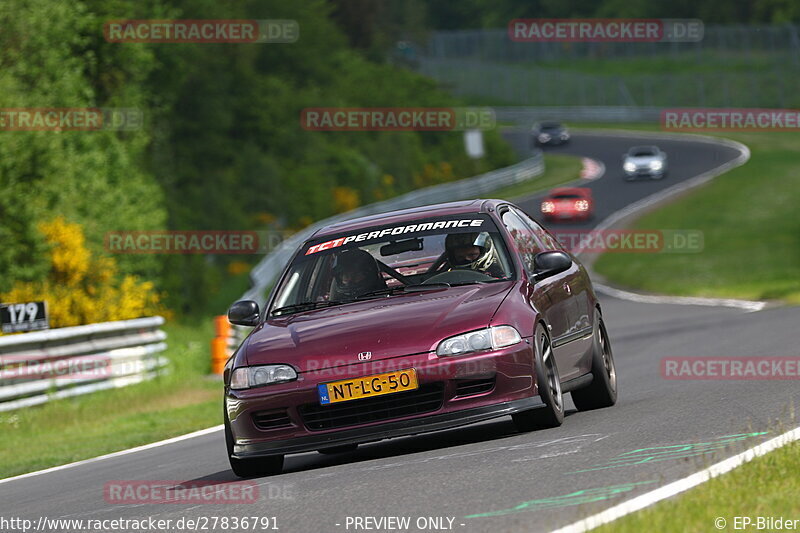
(387, 430)
(644, 172)
(568, 215)
(514, 389)
(551, 141)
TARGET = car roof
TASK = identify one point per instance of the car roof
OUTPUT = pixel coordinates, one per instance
(583, 191)
(649, 147)
(410, 214)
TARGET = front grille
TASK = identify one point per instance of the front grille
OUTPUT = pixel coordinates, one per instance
(271, 419)
(362, 411)
(468, 387)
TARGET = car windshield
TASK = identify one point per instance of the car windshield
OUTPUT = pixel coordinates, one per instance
(383, 261)
(566, 196)
(642, 152)
(550, 126)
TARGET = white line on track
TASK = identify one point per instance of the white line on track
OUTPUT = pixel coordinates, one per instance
(158, 444)
(746, 305)
(676, 487)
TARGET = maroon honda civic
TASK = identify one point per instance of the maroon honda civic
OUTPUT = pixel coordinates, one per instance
(414, 321)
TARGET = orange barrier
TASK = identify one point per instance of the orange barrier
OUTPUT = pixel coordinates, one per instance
(219, 344)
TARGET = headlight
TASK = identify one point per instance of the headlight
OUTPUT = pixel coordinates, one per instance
(582, 205)
(544, 137)
(484, 339)
(247, 377)
(548, 207)
(565, 136)
(630, 167)
(656, 165)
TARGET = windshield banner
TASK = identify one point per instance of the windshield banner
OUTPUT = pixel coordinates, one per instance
(396, 230)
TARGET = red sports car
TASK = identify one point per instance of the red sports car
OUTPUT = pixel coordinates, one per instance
(414, 321)
(568, 203)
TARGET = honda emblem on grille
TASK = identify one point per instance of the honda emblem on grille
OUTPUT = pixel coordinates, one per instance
(365, 356)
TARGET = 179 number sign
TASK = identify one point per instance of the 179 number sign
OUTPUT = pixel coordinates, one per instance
(27, 316)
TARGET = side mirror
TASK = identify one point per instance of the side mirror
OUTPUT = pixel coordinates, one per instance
(243, 313)
(547, 264)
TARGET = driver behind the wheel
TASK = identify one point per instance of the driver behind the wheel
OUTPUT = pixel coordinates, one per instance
(472, 251)
(355, 272)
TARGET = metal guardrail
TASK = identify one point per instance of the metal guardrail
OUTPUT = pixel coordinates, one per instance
(534, 84)
(749, 42)
(527, 115)
(46, 365)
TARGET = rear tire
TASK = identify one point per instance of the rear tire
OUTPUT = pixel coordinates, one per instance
(549, 385)
(255, 467)
(602, 392)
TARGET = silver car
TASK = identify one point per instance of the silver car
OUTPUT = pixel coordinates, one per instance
(644, 161)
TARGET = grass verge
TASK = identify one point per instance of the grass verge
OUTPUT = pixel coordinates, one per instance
(559, 169)
(751, 231)
(766, 486)
(68, 430)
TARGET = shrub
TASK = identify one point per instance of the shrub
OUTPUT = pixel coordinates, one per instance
(82, 288)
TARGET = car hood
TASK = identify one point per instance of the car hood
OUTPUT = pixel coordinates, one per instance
(389, 327)
(640, 161)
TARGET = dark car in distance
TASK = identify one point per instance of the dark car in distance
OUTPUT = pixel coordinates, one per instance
(548, 133)
(413, 321)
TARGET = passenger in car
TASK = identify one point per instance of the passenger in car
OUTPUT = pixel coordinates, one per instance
(355, 272)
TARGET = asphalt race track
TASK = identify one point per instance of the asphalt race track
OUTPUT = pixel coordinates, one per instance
(486, 477)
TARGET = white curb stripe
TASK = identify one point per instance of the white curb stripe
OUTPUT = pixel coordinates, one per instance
(158, 444)
(671, 489)
(592, 169)
(746, 305)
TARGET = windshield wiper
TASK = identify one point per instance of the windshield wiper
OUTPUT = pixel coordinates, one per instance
(305, 306)
(479, 282)
(404, 288)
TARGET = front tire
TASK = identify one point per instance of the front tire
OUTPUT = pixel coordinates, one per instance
(549, 385)
(602, 392)
(255, 467)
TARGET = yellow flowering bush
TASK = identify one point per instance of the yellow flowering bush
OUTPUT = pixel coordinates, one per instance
(345, 199)
(237, 268)
(433, 174)
(82, 289)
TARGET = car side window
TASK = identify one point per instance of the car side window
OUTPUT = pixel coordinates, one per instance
(525, 240)
(545, 238)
